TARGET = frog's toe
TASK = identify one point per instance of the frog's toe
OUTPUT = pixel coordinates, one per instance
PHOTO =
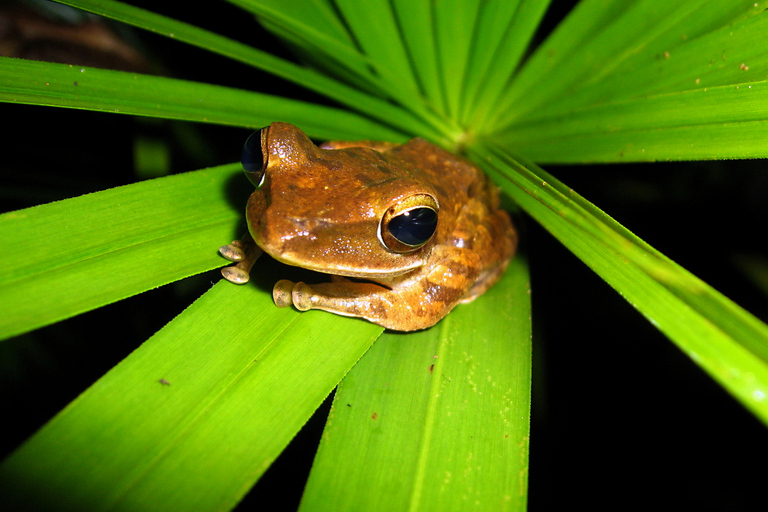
(244, 253)
(300, 295)
(303, 297)
(282, 293)
(233, 252)
(235, 274)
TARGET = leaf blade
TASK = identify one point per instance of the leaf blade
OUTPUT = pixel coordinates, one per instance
(454, 26)
(588, 18)
(229, 48)
(417, 25)
(62, 85)
(709, 123)
(374, 27)
(446, 410)
(65, 270)
(730, 344)
(228, 400)
(504, 32)
(714, 52)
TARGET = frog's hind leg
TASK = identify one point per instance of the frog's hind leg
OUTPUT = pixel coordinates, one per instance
(487, 278)
(407, 303)
(342, 296)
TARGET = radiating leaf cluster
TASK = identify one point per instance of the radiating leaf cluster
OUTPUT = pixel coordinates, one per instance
(642, 81)
(616, 81)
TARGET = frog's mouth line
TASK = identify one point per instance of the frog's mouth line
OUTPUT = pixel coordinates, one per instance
(384, 284)
(371, 275)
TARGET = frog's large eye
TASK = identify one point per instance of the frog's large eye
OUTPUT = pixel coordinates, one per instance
(409, 224)
(254, 156)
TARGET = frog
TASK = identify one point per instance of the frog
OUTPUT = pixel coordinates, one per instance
(405, 231)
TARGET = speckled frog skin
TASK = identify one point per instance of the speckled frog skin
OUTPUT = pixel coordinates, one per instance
(417, 229)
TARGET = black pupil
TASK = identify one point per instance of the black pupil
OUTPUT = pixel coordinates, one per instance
(414, 227)
(252, 158)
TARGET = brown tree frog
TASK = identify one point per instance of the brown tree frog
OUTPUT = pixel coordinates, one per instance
(406, 231)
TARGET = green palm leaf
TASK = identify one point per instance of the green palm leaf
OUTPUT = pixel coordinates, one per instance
(191, 408)
(400, 425)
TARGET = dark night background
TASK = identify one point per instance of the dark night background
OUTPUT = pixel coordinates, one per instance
(618, 410)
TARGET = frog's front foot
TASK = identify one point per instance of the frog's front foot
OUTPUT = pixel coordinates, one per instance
(244, 254)
(373, 302)
(300, 295)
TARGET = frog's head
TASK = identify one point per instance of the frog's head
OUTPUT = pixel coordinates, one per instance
(353, 211)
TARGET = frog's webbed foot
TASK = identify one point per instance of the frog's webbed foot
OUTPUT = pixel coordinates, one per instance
(342, 296)
(406, 303)
(244, 254)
